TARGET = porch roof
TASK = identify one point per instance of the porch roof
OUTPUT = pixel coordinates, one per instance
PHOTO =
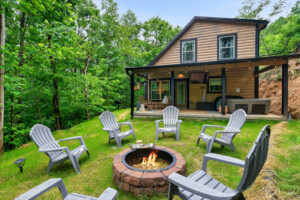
(245, 62)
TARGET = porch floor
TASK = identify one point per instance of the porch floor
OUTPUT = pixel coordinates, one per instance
(202, 114)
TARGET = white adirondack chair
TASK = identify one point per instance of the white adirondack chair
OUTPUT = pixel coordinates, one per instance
(43, 138)
(108, 194)
(113, 128)
(236, 122)
(200, 185)
(171, 122)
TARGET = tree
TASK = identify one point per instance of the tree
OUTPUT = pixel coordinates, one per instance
(281, 36)
(87, 14)
(65, 60)
(252, 9)
(2, 45)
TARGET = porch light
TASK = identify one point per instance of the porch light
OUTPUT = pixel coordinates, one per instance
(180, 75)
(20, 163)
(137, 85)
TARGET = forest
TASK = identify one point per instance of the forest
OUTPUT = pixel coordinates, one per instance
(64, 60)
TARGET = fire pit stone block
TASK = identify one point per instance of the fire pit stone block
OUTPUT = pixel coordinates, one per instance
(153, 179)
(143, 182)
(132, 177)
(118, 168)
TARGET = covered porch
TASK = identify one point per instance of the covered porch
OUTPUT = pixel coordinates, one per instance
(203, 114)
(216, 82)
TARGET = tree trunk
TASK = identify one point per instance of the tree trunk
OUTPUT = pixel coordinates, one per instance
(108, 69)
(267, 49)
(86, 92)
(2, 44)
(56, 109)
(23, 24)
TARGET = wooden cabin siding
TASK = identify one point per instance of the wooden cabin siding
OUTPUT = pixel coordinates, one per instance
(206, 34)
(242, 78)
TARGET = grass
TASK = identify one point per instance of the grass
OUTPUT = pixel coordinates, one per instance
(96, 173)
(288, 168)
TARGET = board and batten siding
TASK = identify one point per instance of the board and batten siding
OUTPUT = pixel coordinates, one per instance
(241, 77)
(207, 34)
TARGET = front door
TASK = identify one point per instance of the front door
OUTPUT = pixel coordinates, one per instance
(181, 94)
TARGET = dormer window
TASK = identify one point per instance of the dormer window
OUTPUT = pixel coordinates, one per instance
(188, 50)
(227, 47)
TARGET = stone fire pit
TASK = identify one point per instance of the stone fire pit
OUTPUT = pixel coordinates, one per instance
(146, 182)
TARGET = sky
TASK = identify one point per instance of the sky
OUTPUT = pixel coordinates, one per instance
(180, 12)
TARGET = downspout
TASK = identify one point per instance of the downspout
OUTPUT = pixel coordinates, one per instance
(131, 75)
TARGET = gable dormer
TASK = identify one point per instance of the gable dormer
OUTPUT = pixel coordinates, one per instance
(206, 39)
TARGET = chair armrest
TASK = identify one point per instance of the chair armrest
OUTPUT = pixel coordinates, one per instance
(108, 194)
(197, 188)
(73, 138)
(124, 123)
(55, 149)
(178, 124)
(210, 126)
(157, 124)
(157, 121)
(223, 159)
(228, 132)
(43, 188)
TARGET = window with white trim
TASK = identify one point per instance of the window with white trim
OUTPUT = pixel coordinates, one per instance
(227, 47)
(160, 89)
(188, 50)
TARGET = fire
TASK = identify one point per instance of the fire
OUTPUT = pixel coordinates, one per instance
(150, 160)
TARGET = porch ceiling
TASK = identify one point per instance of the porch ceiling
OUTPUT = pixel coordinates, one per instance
(237, 63)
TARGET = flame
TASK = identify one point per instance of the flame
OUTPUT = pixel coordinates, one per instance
(150, 160)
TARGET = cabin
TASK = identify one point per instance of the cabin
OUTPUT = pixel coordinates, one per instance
(209, 69)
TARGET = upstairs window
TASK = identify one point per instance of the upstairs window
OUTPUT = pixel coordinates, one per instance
(188, 50)
(160, 89)
(227, 46)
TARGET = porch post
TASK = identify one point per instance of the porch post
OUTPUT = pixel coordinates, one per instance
(132, 94)
(146, 90)
(285, 88)
(172, 88)
(256, 82)
(223, 103)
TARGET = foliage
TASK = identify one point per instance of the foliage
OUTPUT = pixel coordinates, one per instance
(65, 61)
(283, 35)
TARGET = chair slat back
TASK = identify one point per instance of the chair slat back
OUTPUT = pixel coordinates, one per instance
(108, 120)
(255, 159)
(43, 138)
(170, 116)
(236, 122)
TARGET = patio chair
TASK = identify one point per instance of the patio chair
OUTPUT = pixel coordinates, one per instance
(171, 122)
(43, 138)
(200, 185)
(236, 122)
(108, 194)
(113, 128)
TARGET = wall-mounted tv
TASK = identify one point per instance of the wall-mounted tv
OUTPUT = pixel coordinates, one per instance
(198, 77)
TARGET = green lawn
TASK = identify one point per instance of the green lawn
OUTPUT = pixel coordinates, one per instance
(96, 173)
(288, 168)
